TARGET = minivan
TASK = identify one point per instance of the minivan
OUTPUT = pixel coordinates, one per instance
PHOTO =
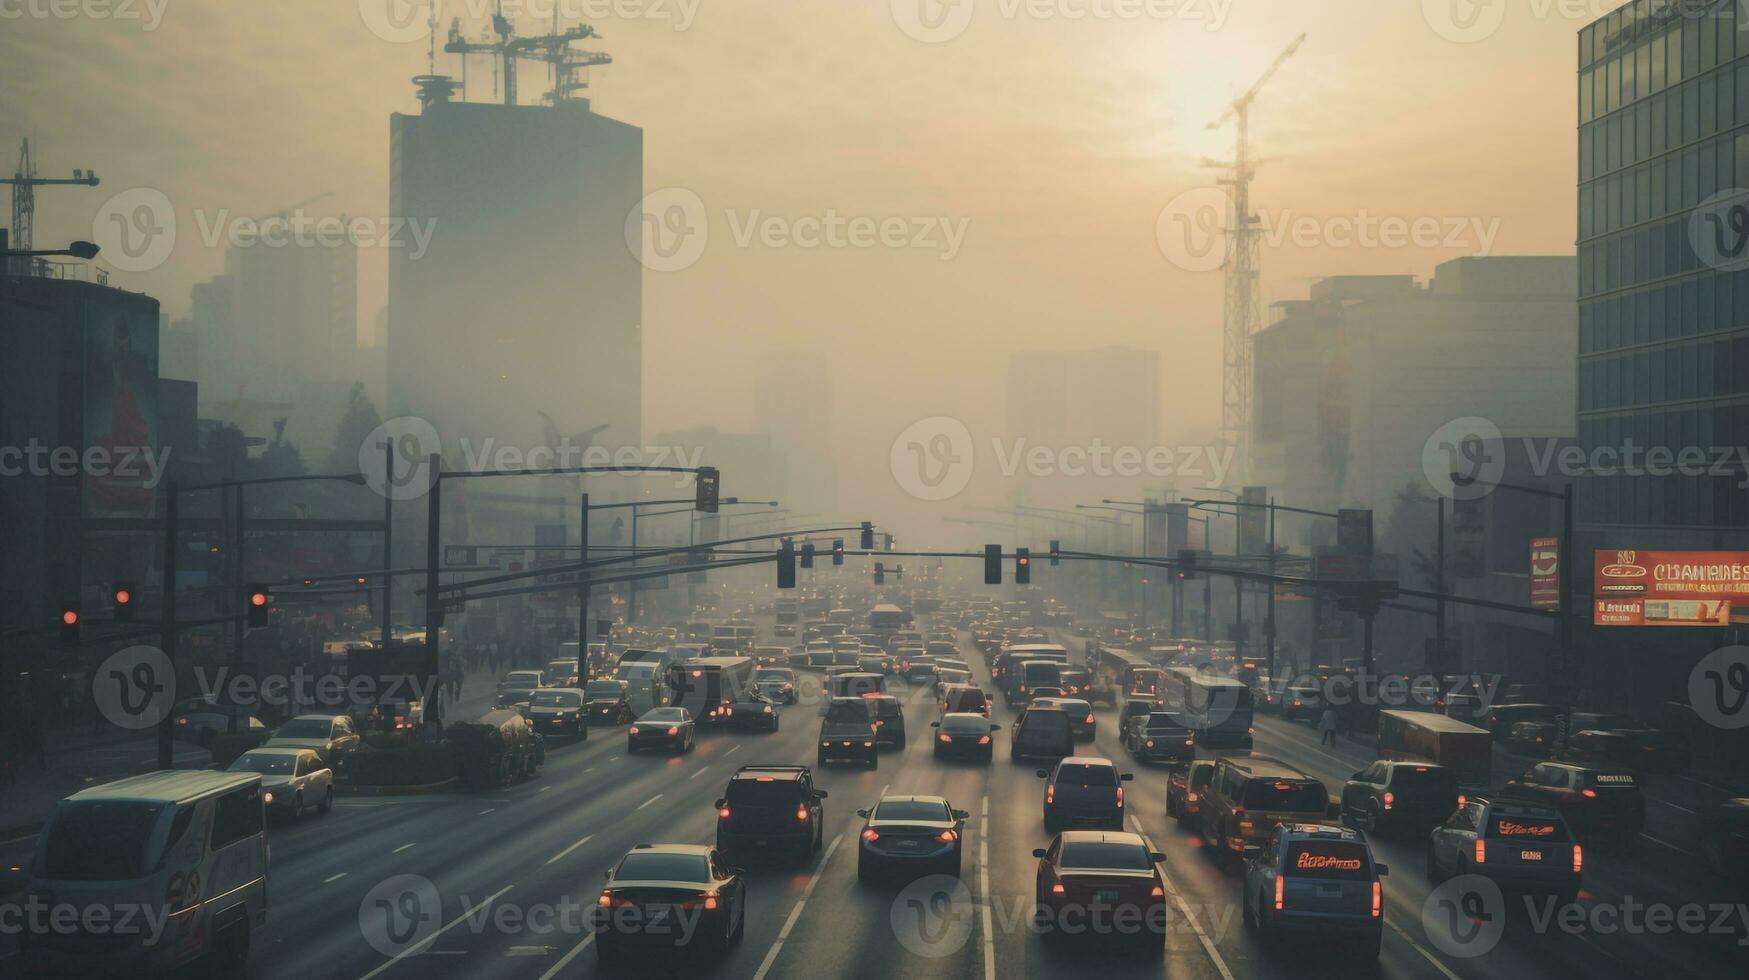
(1041, 732)
(187, 846)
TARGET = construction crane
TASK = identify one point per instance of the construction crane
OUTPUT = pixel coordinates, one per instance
(553, 48)
(1242, 315)
(289, 208)
(24, 184)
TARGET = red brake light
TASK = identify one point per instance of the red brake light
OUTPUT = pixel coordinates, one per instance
(1120, 796)
(801, 813)
(1150, 743)
(1481, 851)
(1089, 718)
(1588, 793)
(710, 901)
(1578, 859)
(1378, 899)
(1190, 797)
(723, 813)
(947, 837)
(984, 740)
(1158, 892)
(1462, 799)
(1057, 889)
(870, 834)
(605, 900)
(945, 738)
(632, 730)
(1050, 792)
(1280, 887)
(1390, 799)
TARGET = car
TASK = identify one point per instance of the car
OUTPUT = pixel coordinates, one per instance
(777, 684)
(1090, 872)
(1083, 791)
(915, 834)
(889, 715)
(1400, 795)
(1533, 738)
(964, 735)
(559, 711)
(1302, 701)
(915, 667)
(1185, 789)
(1044, 692)
(963, 698)
(1042, 731)
(1655, 751)
(564, 672)
(1318, 882)
(1601, 748)
(669, 728)
(752, 711)
(202, 720)
(515, 687)
(1518, 844)
(669, 895)
(847, 733)
(771, 811)
(292, 779)
(1599, 804)
(772, 656)
(610, 702)
(1160, 736)
(1081, 719)
(1249, 795)
(331, 736)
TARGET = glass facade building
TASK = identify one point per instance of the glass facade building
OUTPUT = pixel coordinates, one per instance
(1663, 161)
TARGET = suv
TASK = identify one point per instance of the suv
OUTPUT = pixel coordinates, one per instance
(1249, 795)
(1041, 732)
(847, 733)
(1514, 843)
(1160, 736)
(889, 719)
(1084, 792)
(1417, 795)
(1597, 802)
(1320, 882)
(771, 809)
(964, 698)
(1185, 788)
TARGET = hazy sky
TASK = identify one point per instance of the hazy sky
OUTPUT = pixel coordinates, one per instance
(1057, 140)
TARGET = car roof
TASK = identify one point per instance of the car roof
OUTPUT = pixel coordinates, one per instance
(1266, 767)
(280, 750)
(1320, 831)
(913, 798)
(1101, 837)
(1086, 760)
(175, 786)
(699, 849)
(770, 772)
(1511, 806)
(317, 717)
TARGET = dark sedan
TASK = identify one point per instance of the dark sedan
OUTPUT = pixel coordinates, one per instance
(558, 711)
(914, 834)
(669, 896)
(964, 735)
(662, 728)
(610, 702)
(752, 712)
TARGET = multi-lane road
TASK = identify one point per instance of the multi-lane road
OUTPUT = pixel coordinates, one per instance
(496, 884)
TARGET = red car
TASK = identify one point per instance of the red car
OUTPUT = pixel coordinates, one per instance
(1103, 885)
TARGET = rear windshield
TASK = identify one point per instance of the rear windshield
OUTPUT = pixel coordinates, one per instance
(1095, 854)
(912, 810)
(1528, 828)
(1327, 859)
(1085, 775)
(304, 728)
(758, 792)
(553, 699)
(971, 699)
(604, 689)
(965, 723)
(661, 715)
(775, 675)
(99, 840)
(853, 712)
(264, 763)
(663, 867)
(1045, 724)
(522, 677)
(885, 708)
(1161, 722)
(1290, 795)
(1424, 779)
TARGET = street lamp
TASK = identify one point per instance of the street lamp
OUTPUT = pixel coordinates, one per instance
(77, 250)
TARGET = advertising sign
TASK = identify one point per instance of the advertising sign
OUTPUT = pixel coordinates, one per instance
(1545, 573)
(1670, 588)
(120, 410)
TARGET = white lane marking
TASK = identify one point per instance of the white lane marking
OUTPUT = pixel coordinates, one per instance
(565, 960)
(419, 946)
(1673, 806)
(698, 772)
(984, 888)
(1208, 945)
(568, 850)
(1662, 843)
(731, 751)
(588, 770)
(333, 878)
(794, 913)
(487, 810)
(1417, 947)
(543, 789)
(405, 846)
(648, 802)
(18, 840)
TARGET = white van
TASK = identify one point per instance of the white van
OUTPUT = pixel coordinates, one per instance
(163, 870)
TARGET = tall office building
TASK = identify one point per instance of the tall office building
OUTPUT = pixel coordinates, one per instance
(527, 299)
(1663, 289)
(1083, 399)
(792, 403)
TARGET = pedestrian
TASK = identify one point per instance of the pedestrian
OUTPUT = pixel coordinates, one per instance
(1327, 727)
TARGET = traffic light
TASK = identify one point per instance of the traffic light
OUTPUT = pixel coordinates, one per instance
(69, 624)
(123, 594)
(1056, 552)
(867, 536)
(706, 494)
(992, 564)
(256, 606)
(886, 542)
(808, 554)
(1023, 566)
(880, 574)
(837, 551)
(359, 581)
(786, 565)
(1187, 563)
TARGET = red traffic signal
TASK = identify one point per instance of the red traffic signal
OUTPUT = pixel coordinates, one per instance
(122, 597)
(69, 624)
(256, 606)
(69, 617)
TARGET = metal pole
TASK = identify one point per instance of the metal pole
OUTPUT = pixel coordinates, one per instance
(236, 561)
(583, 593)
(167, 618)
(1438, 659)
(1269, 620)
(433, 600)
(632, 600)
(388, 536)
(1208, 592)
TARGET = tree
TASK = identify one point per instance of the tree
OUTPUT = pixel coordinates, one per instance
(356, 424)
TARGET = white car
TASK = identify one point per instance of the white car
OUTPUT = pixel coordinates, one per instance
(201, 720)
(292, 780)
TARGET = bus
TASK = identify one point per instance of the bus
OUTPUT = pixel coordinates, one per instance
(887, 617)
(1216, 708)
(708, 686)
(1119, 676)
(1423, 736)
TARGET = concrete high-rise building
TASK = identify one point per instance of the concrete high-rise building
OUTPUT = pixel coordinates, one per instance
(1081, 400)
(527, 299)
(792, 403)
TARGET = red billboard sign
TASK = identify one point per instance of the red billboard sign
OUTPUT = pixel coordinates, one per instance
(1670, 588)
(1545, 573)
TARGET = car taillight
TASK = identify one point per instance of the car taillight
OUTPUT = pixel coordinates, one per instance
(1158, 892)
(1280, 891)
(1190, 797)
(674, 729)
(983, 740)
(801, 813)
(1190, 741)
(723, 813)
(1057, 889)
(1120, 796)
(633, 730)
(945, 738)
(1050, 792)
(1588, 793)
(1390, 799)
(1462, 799)
(267, 798)
(1089, 718)
(1578, 859)
(1378, 899)
(870, 834)
(947, 837)
(606, 900)
(1149, 743)
(1481, 851)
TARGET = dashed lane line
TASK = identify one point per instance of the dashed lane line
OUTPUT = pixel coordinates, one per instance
(796, 912)
(559, 856)
(1208, 945)
(419, 947)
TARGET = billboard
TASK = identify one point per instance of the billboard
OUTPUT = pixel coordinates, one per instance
(1545, 573)
(120, 408)
(1670, 588)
